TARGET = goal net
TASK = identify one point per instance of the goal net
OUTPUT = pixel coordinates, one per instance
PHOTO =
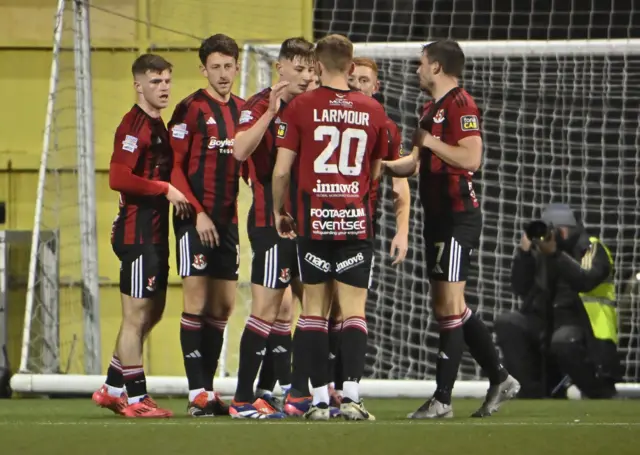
(556, 92)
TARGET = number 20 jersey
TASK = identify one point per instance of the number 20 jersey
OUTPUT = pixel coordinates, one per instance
(336, 135)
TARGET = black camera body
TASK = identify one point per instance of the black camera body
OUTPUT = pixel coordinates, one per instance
(539, 230)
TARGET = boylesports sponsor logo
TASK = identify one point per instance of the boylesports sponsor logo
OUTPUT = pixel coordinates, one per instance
(222, 145)
(317, 262)
(336, 189)
(349, 263)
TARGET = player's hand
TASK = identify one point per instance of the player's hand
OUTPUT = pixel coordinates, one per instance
(179, 201)
(207, 231)
(285, 225)
(275, 98)
(422, 138)
(399, 248)
(525, 243)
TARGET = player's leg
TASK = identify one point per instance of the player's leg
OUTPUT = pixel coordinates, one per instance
(276, 365)
(112, 393)
(353, 268)
(269, 279)
(143, 283)
(335, 356)
(193, 259)
(314, 260)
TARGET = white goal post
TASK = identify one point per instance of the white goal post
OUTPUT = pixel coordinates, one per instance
(534, 157)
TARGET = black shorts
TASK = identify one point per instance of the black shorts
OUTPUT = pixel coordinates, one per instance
(347, 261)
(274, 262)
(194, 259)
(449, 248)
(144, 269)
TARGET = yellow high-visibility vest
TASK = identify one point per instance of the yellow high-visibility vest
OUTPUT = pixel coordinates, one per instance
(600, 302)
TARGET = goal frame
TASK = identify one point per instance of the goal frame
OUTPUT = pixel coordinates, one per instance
(264, 55)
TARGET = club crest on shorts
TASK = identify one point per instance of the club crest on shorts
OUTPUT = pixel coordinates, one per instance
(199, 262)
(151, 283)
(469, 123)
(282, 130)
(285, 275)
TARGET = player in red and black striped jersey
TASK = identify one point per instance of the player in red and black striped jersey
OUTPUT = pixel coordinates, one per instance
(447, 151)
(274, 264)
(202, 131)
(140, 170)
(336, 138)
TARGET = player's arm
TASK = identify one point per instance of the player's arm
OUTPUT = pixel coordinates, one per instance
(404, 167)
(401, 192)
(288, 143)
(181, 131)
(255, 121)
(467, 154)
(126, 152)
(282, 178)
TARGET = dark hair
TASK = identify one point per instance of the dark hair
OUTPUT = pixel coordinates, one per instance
(150, 62)
(296, 47)
(220, 43)
(335, 52)
(448, 54)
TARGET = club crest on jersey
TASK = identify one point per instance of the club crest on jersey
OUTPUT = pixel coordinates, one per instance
(282, 130)
(222, 145)
(199, 262)
(439, 117)
(179, 131)
(151, 283)
(469, 123)
(285, 275)
(130, 144)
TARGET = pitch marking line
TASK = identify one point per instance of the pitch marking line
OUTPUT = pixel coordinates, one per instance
(392, 423)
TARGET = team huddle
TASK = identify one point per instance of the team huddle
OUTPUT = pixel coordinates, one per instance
(313, 149)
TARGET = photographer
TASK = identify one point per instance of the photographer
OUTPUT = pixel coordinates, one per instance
(567, 325)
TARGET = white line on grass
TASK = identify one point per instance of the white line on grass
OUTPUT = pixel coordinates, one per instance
(215, 422)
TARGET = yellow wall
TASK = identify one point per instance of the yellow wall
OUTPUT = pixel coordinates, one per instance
(25, 62)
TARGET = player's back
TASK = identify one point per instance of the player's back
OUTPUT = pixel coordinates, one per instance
(142, 144)
(341, 134)
(444, 189)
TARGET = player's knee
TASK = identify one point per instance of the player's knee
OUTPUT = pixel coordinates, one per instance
(352, 301)
(137, 321)
(335, 314)
(194, 289)
(266, 302)
(286, 307)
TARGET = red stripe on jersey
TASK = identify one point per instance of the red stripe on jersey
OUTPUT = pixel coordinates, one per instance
(395, 148)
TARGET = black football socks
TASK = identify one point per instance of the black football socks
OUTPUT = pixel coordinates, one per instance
(191, 343)
(253, 347)
(449, 356)
(353, 348)
(480, 343)
(212, 341)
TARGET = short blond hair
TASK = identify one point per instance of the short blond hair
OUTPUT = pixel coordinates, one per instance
(366, 62)
(335, 52)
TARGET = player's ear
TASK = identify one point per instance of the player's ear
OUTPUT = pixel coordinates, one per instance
(377, 87)
(203, 70)
(352, 68)
(137, 85)
(237, 67)
(279, 68)
(436, 68)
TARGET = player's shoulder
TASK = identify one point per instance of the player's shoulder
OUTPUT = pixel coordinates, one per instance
(260, 98)
(235, 99)
(134, 121)
(461, 98)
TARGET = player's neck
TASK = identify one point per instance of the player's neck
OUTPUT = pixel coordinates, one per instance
(148, 109)
(216, 96)
(335, 81)
(443, 88)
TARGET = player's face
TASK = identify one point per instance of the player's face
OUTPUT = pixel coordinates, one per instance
(426, 72)
(154, 88)
(220, 70)
(365, 80)
(298, 72)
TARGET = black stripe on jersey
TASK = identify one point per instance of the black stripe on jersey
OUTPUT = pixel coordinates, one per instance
(220, 179)
(138, 121)
(255, 99)
(306, 213)
(233, 107)
(293, 198)
(459, 98)
(118, 228)
(197, 178)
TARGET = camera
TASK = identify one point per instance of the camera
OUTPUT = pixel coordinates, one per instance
(539, 230)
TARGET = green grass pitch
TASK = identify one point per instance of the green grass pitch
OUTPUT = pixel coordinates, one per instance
(57, 426)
